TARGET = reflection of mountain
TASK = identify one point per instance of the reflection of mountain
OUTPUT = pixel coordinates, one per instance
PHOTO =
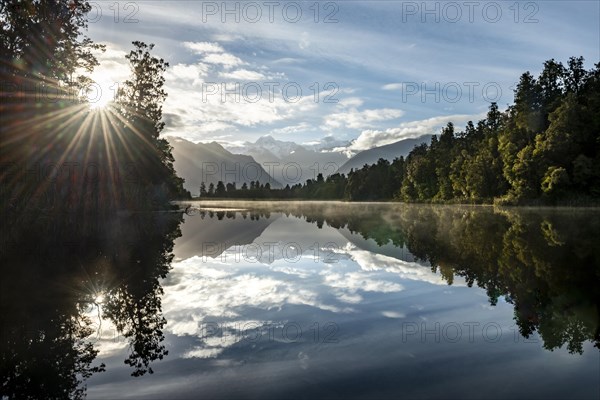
(291, 163)
(210, 233)
(210, 163)
(289, 236)
(387, 152)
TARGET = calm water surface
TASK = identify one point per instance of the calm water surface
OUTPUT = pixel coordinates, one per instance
(307, 300)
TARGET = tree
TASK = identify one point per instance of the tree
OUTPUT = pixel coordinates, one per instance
(220, 189)
(44, 41)
(45, 52)
(203, 191)
(576, 74)
(139, 105)
(231, 189)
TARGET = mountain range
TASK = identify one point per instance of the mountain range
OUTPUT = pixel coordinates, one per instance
(211, 162)
(289, 162)
(387, 152)
(270, 160)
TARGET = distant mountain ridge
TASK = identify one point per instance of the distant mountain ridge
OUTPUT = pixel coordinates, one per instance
(289, 162)
(211, 162)
(270, 160)
(387, 152)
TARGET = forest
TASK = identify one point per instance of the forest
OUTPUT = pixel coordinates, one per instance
(544, 149)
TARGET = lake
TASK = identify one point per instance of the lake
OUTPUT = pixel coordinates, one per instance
(305, 300)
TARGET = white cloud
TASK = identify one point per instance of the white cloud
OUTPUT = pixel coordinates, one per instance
(406, 130)
(393, 314)
(243, 75)
(204, 47)
(186, 74)
(393, 86)
(113, 68)
(326, 143)
(304, 41)
(216, 126)
(203, 352)
(303, 126)
(225, 59)
(214, 54)
(355, 119)
(200, 114)
(201, 111)
(287, 60)
(226, 37)
(350, 102)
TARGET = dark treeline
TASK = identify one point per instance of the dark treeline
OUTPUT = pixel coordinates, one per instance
(544, 149)
(57, 153)
(320, 188)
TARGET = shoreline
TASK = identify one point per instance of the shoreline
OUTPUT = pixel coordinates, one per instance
(399, 203)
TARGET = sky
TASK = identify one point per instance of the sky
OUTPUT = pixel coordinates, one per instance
(354, 74)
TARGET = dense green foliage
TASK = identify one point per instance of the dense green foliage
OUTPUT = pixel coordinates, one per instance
(544, 149)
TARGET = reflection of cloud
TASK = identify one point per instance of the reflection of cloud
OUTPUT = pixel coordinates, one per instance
(205, 289)
(212, 346)
(202, 290)
(201, 352)
(358, 280)
(303, 359)
(406, 270)
(198, 290)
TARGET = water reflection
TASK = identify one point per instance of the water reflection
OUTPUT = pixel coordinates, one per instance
(543, 262)
(60, 279)
(263, 299)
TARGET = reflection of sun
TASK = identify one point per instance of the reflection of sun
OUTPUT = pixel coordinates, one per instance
(102, 91)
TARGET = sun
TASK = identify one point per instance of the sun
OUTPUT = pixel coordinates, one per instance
(102, 91)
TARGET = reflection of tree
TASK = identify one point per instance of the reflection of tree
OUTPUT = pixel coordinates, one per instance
(553, 284)
(546, 263)
(44, 353)
(135, 304)
(52, 272)
(137, 315)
